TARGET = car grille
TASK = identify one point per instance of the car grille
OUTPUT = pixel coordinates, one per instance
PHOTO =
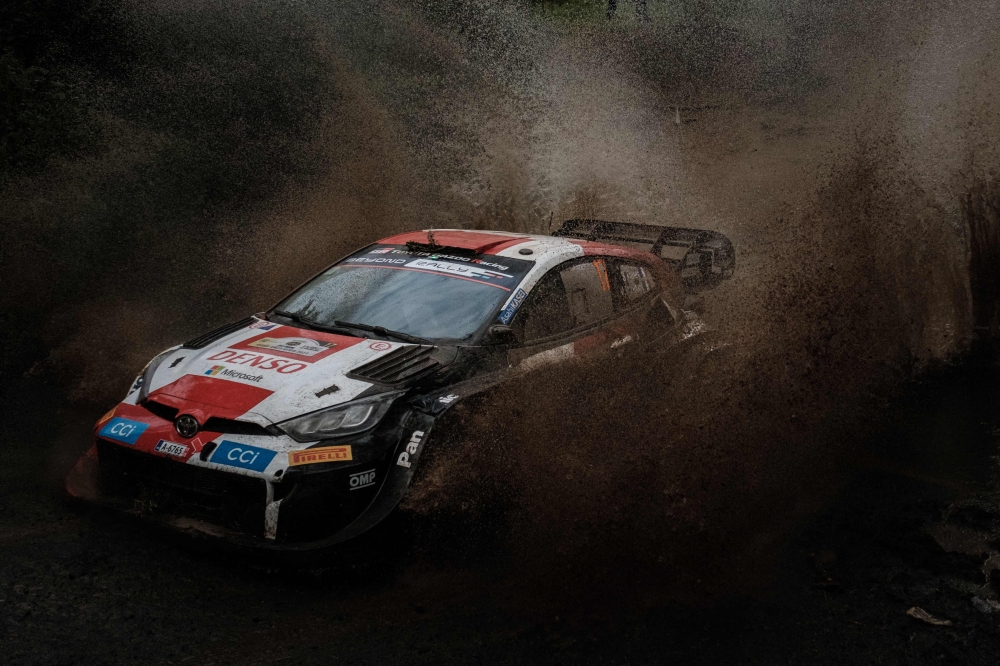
(213, 424)
(398, 365)
(232, 500)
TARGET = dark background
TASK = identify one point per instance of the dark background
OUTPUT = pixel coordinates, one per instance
(169, 167)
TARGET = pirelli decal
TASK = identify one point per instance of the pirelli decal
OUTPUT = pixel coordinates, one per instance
(324, 454)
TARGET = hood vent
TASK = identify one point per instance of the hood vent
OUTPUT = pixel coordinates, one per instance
(398, 366)
(205, 340)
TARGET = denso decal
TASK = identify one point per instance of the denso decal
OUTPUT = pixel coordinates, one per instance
(123, 430)
(258, 361)
(411, 448)
(515, 302)
(171, 448)
(361, 480)
(298, 346)
(244, 456)
(320, 455)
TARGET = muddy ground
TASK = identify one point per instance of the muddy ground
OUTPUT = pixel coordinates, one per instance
(910, 524)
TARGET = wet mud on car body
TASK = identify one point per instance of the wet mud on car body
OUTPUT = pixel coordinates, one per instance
(302, 427)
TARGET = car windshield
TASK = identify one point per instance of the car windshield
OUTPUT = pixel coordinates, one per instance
(431, 296)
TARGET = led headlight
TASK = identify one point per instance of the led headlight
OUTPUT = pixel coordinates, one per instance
(142, 381)
(345, 419)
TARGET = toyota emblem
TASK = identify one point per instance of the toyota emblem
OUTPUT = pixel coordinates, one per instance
(186, 426)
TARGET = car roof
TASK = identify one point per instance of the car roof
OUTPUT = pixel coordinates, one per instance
(509, 244)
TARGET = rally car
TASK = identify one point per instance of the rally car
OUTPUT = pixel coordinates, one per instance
(302, 427)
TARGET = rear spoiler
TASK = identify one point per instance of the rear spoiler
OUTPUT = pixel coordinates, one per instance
(702, 258)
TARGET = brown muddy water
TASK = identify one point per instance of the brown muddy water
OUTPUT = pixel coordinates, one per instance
(787, 504)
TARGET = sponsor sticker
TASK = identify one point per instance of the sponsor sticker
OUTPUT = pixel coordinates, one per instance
(448, 399)
(380, 346)
(411, 448)
(382, 250)
(508, 312)
(460, 270)
(298, 346)
(111, 412)
(320, 455)
(171, 448)
(223, 371)
(263, 325)
(361, 480)
(256, 361)
(123, 430)
(243, 456)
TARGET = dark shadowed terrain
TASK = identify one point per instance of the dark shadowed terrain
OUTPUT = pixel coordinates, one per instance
(167, 167)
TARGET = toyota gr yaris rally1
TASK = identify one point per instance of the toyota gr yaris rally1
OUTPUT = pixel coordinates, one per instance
(302, 426)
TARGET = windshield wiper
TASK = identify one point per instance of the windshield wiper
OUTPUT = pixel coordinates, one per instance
(381, 330)
(299, 319)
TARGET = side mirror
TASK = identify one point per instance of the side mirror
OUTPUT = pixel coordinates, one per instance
(501, 335)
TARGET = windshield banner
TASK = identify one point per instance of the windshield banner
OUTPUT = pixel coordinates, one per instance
(502, 272)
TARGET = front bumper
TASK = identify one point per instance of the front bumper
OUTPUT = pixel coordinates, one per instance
(310, 508)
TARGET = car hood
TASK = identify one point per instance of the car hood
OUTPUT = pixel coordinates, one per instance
(266, 373)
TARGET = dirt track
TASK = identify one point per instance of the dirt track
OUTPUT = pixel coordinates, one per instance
(91, 590)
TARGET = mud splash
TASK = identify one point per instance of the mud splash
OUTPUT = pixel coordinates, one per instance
(805, 143)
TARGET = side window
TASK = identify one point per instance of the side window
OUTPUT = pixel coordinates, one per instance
(568, 297)
(547, 310)
(636, 281)
(589, 291)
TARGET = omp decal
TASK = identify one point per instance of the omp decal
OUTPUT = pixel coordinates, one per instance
(512, 306)
(411, 448)
(547, 357)
(300, 345)
(243, 456)
(320, 455)
(171, 448)
(259, 361)
(239, 398)
(380, 346)
(217, 370)
(297, 346)
(123, 430)
(451, 268)
(111, 412)
(360, 480)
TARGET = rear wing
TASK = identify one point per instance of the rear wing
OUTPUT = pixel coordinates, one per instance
(702, 258)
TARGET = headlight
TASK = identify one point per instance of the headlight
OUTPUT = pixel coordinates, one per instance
(343, 419)
(142, 381)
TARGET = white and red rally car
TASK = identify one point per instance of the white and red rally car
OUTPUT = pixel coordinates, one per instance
(301, 427)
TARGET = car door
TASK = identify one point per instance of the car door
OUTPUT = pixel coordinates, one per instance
(570, 312)
(640, 304)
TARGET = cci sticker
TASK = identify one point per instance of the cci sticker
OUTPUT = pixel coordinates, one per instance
(508, 312)
(242, 455)
(320, 455)
(171, 448)
(123, 430)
